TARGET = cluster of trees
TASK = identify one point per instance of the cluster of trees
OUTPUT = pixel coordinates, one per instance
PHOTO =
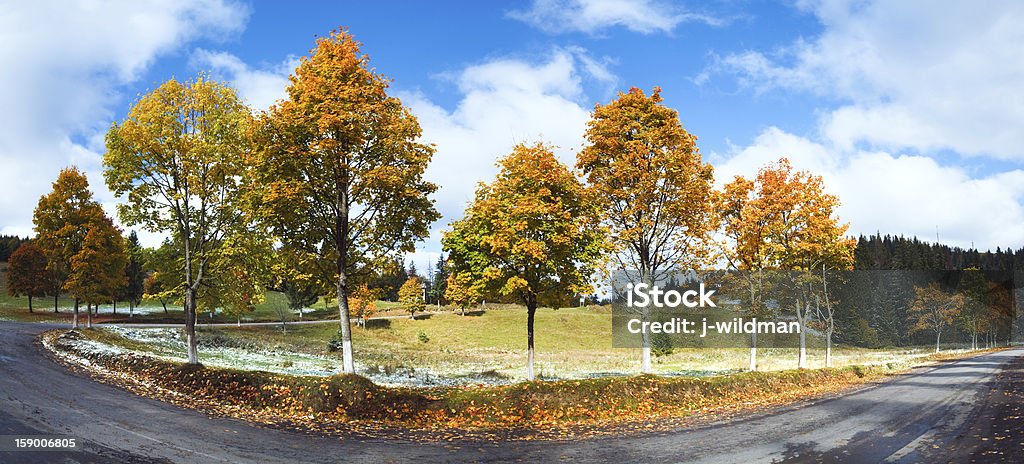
(878, 308)
(877, 252)
(77, 250)
(320, 195)
(8, 244)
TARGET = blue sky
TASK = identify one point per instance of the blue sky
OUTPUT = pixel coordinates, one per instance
(912, 111)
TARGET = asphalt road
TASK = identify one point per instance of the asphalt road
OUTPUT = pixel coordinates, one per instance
(957, 412)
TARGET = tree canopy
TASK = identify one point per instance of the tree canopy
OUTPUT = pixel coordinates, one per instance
(532, 233)
(178, 158)
(339, 169)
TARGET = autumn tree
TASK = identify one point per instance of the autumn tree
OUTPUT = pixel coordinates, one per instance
(26, 273)
(339, 169)
(362, 302)
(411, 296)
(462, 291)
(532, 233)
(654, 189)
(934, 310)
(177, 157)
(785, 220)
(97, 270)
(62, 219)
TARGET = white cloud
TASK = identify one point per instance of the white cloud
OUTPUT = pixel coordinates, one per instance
(592, 16)
(891, 194)
(64, 63)
(504, 101)
(919, 75)
(259, 87)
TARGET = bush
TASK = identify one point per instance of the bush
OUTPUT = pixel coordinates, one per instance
(661, 345)
(334, 344)
(422, 336)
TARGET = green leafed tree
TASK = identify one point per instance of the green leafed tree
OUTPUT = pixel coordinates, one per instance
(177, 160)
(135, 273)
(163, 282)
(533, 233)
(339, 170)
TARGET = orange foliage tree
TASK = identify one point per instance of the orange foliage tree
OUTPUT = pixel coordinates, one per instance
(654, 190)
(97, 270)
(785, 220)
(533, 233)
(62, 219)
(339, 170)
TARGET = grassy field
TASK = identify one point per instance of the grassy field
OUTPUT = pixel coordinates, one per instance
(487, 346)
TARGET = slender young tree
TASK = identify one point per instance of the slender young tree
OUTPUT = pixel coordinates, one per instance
(362, 302)
(533, 233)
(411, 296)
(339, 170)
(655, 190)
(27, 274)
(164, 282)
(97, 270)
(785, 220)
(462, 291)
(933, 310)
(177, 157)
(62, 219)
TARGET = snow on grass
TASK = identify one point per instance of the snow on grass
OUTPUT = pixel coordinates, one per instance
(168, 344)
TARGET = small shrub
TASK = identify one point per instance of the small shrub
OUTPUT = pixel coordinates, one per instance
(661, 345)
(335, 344)
(422, 336)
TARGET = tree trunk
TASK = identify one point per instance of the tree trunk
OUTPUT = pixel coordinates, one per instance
(531, 310)
(800, 316)
(74, 318)
(190, 326)
(828, 348)
(30, 303)
(348, 364)
(645, 316)
(753, 351)
(88, 317)
(164, 304)
(56, 295)
(114, 311)
(938, 336)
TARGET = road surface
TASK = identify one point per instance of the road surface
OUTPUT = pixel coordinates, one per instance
(962, 411)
